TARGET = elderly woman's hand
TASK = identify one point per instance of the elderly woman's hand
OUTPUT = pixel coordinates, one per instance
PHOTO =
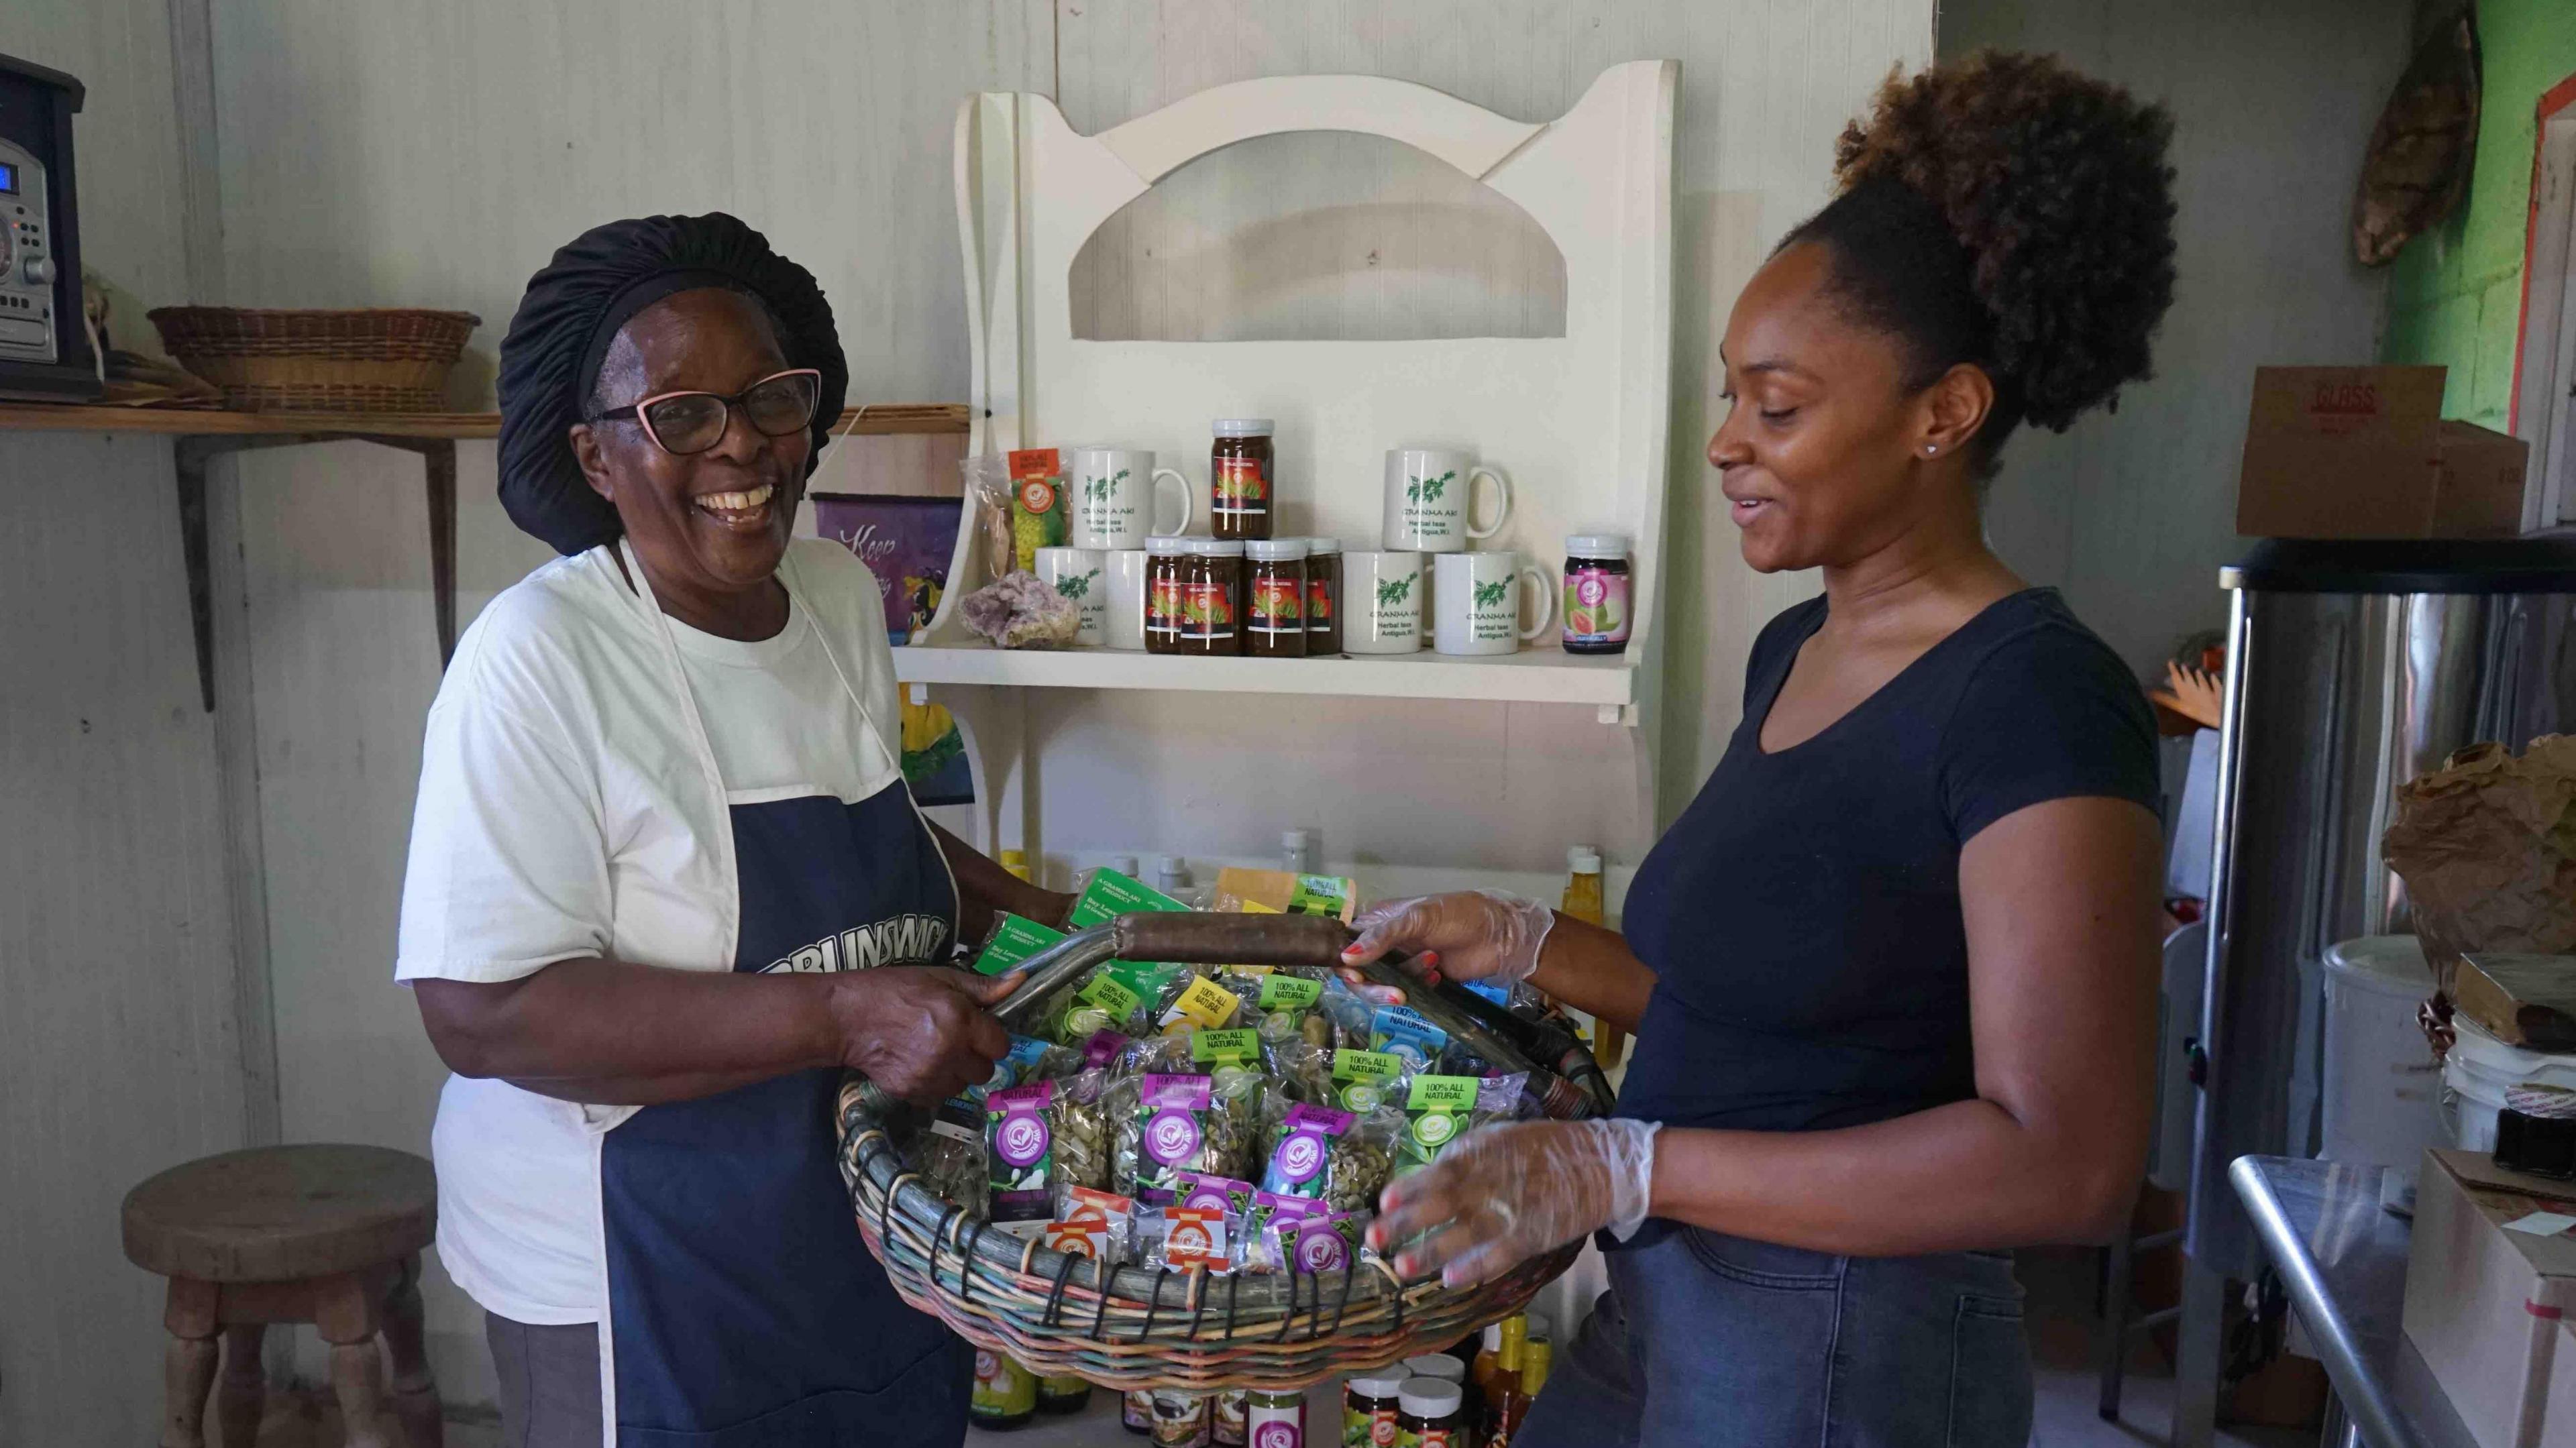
(1500, 1196)
(921, 1032)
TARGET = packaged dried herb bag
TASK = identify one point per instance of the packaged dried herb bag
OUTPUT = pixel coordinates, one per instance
(1318, 1245)
(1363, 1081)
(949, 1153)
(1019, 1140)
(1437, 1111)
(1172, 1118)
(1297, 1163)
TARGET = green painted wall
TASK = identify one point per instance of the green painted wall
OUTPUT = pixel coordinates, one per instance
(2455, 293)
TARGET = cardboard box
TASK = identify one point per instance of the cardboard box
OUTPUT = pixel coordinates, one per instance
(2521, 1000)
(2484, 1305)
(2364, 452)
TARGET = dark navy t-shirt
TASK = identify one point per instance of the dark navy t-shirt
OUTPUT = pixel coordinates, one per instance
(1802, 916)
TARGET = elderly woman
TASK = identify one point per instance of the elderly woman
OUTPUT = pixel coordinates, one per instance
(667, 881)
(1893, 972)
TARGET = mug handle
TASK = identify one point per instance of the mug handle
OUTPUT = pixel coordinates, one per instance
(1156, 483)
(1537, 577)
(1502, 491)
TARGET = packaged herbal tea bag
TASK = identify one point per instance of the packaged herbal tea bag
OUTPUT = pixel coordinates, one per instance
(1018, 1140)
(1437, 1111)
(1171, 1119)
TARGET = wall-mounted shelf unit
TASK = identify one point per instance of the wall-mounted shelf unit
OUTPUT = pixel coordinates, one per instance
(1579, 422)
(201, 435)
(1533, 676)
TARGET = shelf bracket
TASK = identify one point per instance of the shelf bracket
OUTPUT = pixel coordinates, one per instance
(192, 452)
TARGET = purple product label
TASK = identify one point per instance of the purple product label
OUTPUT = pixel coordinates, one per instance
(1277, 1433)
(1102, 1048)
(1214, 1193)
(1298, 1165)
(1172, 1126)
(1279, 1209)
(1020, 1137)
(1317, 1244)
(1596, 606)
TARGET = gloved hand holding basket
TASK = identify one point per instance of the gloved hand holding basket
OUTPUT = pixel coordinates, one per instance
(1240, 1110)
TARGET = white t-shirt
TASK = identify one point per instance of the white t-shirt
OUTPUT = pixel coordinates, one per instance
(567, 809)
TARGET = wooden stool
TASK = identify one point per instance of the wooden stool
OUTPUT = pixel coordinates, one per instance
(329, 1235)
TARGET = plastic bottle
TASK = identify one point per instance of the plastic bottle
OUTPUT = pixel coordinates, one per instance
(1497, 1365)
(1016, 862)
(1516, 1405)
(1583, 902)
(1172, 877)
(1297, 853)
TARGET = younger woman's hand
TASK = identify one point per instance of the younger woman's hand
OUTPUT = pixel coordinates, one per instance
(1500, 1196)
(1468, 935)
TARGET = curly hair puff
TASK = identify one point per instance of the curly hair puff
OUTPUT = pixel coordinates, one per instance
(2006, 211)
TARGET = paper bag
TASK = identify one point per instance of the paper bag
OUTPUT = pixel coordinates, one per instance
(2487, 847)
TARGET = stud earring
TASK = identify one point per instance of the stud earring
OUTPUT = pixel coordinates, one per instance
(1930, 449)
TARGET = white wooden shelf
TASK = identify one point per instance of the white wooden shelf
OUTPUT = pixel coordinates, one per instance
(1532, 676)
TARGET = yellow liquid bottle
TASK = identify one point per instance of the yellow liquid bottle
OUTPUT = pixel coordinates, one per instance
(1016, 862)
(1583, 902)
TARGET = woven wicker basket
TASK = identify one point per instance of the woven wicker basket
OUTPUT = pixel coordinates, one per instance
(1132, 1327)
(365, 360)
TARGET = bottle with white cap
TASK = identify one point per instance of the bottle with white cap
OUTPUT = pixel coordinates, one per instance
(1426, 1413)
(1297, 851)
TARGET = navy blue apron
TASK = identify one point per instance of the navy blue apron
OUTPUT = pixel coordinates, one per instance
(743, 1309)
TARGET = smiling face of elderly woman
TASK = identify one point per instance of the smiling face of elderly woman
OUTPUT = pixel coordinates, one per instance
(706, 524)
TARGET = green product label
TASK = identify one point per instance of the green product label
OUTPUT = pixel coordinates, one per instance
(1110, 895)
(1436, 1113)
(1105, 992)
(1014, 940)
(1232, 1048)
(1361, 1077)
(1321, 895)
(1289, 992)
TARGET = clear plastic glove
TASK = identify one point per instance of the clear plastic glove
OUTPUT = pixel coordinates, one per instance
(1500, 1196)
(1469, 935)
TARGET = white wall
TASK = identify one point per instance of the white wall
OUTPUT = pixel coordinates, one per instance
(2133, 513)
(119, 1053)
(433, 155)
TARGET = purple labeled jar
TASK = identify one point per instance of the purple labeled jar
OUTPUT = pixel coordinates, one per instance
(1597, 606)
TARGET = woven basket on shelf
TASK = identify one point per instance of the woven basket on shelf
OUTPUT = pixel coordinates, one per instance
(1149, 1328)
(359, 360)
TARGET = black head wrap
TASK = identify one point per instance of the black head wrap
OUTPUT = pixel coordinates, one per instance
(574, 308)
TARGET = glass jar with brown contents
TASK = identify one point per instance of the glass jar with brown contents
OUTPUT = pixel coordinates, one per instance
(1274, 599)
(1167, 559)
(1323, 597)
(1212, 598)
(1239, 477)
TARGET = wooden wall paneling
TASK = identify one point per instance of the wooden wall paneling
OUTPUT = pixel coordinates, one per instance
(116, 981)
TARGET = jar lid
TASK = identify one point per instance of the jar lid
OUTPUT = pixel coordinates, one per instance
(1276, 550)
(1167, 545)
(1428, 1398)
(1216, 548)
(1438, 1365)
(1582, 860)
(1596, 545)
(1315, 546)
(1377, 1382)
(1241, 426)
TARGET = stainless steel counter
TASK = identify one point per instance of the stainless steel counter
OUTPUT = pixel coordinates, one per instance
(2343, 1260)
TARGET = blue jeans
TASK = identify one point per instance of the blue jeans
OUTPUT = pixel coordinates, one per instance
(1709, 1339)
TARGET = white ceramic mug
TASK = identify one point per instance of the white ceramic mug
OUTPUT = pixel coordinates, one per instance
(1113, 491)
(1382, 602)
(1473, 610)
(1430, 495)
(1125, 580)
(1080, 574)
